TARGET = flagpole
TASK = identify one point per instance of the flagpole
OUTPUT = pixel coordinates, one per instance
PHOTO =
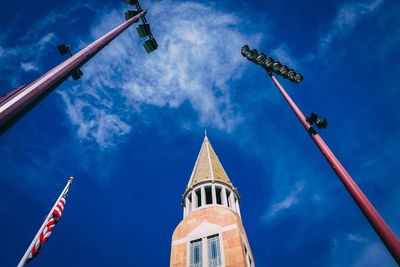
(24, 258)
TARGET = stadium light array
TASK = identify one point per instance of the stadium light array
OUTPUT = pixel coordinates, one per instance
(143, 29)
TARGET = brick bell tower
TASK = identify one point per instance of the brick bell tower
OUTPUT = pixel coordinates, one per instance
(211, 233)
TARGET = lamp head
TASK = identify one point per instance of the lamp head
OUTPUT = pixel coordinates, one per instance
(283, 71)
(298, 78)
(268, 63)
(150, 45)
(260, 59)
(76, 74)
(276, 66)
(312, 118)
(63, 49)
(245, 49)
(143, 30)
(321, 123)
(131, 13)
(130, 2)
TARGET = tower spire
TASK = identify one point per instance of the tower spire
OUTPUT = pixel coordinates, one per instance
(207, 166)
(211, 232)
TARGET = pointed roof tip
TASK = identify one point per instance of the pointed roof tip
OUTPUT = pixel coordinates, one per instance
(207, 166)
(205, 134)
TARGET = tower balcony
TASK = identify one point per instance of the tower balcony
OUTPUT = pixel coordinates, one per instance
(210, 193)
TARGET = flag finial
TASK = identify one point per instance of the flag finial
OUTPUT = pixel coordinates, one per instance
(71, 178)
(205, 132)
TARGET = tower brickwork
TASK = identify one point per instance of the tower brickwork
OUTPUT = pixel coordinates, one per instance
(211, 233)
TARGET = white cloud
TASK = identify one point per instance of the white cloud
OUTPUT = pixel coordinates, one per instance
(286, 203)
(93, 122)
(28, 66)
(356, 238)
(346, 19)
(194, 63)
(45, 41)
(282, 54)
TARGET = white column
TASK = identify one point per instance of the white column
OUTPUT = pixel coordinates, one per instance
(214, 194)
(205, 251)
(203, 196)
(187, 205)
(194, 200)
(184, 211)
(224, 200)
(237, 206)
(232, 201)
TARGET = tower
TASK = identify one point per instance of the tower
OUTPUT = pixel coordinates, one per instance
(211, 233)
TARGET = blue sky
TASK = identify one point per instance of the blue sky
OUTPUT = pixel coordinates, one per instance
(131, 128)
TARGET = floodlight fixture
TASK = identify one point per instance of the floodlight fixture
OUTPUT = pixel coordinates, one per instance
(321, 123)
(144, 30)
(298, 78)
(245, 50)
(283, 71)
(253, 55)
(77, 74)
(64, 49)
(312, 118)
(268, 62)
(270, 65)
(260, 59)
(130, 2)
(150, 45)
(276, 67)
(291, 74)
(131, 13)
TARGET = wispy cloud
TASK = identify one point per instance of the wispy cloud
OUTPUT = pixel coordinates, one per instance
(194, 63)
(289, 201)
(28, 66)
(282, 53)
(30, 49)
(356, 238)
(94, 123)
(346, 19)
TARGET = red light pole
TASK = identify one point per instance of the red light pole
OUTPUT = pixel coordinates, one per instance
(19, 101)
(387, 236)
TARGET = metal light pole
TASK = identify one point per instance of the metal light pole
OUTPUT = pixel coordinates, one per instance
(19, 101)
(387, 236)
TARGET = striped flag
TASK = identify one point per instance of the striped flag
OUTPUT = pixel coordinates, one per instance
(48, 229)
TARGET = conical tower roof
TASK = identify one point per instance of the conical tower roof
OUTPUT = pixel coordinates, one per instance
(207, 167)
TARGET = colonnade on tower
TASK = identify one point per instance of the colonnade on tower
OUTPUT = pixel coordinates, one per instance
(210, 193)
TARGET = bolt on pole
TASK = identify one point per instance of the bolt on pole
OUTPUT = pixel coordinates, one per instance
(21, 100)
(384, 232)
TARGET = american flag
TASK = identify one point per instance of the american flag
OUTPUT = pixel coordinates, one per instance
(48, 229)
